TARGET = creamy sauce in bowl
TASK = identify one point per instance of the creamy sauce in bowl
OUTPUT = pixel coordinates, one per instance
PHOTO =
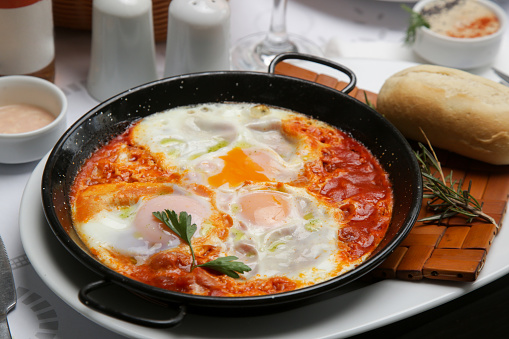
(461, 18)
(23, 118)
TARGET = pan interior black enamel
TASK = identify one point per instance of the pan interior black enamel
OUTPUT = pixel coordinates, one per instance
(112, 117)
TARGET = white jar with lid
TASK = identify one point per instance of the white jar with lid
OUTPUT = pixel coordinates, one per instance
(26, 38)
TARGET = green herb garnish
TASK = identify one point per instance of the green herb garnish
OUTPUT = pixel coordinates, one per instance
(312, 225)
(227, 265)
(416, 21)
(368, 102)
(170, 140)
(183, 227)
(446, 196)
(218, 146)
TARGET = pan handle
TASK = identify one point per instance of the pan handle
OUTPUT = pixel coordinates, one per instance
(307, 57)
(85, 298)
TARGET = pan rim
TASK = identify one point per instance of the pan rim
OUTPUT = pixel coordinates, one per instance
(253, 301)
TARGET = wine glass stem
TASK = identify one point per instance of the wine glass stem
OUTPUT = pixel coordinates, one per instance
(276, 41)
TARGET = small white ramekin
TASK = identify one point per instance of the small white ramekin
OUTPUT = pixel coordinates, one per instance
(462, 53)
(33, 145)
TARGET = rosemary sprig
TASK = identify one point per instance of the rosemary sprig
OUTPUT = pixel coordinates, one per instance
(368, 102)
(183, 227)
(446, 196)
(416, 20)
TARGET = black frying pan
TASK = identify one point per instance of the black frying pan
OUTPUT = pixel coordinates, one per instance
(113, 116)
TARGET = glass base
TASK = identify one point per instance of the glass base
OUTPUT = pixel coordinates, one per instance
(248, 54)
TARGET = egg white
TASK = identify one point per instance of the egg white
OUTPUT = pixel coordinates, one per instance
(193, 139)
(301, 247)
(117, 229)
(113, 230)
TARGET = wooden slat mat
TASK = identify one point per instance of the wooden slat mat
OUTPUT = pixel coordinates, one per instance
(452, 249)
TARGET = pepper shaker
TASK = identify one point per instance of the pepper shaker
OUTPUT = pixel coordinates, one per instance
(198, 37)
(123, 48)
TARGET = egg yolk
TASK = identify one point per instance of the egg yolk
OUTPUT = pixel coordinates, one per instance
(265, 208)
(153, 230)
(238, 168)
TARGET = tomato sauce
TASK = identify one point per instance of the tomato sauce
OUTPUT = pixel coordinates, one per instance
(120, 161)
(349, 175)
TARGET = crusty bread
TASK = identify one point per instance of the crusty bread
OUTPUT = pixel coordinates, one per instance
(458, 111)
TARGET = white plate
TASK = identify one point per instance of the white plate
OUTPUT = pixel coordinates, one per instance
(349, 312)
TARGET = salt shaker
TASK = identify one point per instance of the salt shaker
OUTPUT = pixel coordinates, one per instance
(123, 48)
(27, 44)
(198, 36)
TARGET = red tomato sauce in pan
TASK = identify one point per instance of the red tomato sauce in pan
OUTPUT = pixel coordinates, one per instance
(345, 175)
(349, 175)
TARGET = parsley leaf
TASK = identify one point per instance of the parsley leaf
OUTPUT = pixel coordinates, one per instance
(182, 227)
(227, 265)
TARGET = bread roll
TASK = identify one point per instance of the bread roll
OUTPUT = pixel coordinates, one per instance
(458, 111)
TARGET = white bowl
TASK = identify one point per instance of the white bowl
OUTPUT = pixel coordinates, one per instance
(33, 145)
(463, 53)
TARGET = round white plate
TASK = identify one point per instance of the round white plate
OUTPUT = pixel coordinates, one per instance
(350, 311)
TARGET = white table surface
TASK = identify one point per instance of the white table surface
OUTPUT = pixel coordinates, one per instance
(343, 28)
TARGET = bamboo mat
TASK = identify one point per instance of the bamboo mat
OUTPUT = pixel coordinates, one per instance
(452, 249)
(77, 14)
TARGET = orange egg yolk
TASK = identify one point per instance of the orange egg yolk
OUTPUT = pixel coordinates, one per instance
(265, 208)
(238, 168)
